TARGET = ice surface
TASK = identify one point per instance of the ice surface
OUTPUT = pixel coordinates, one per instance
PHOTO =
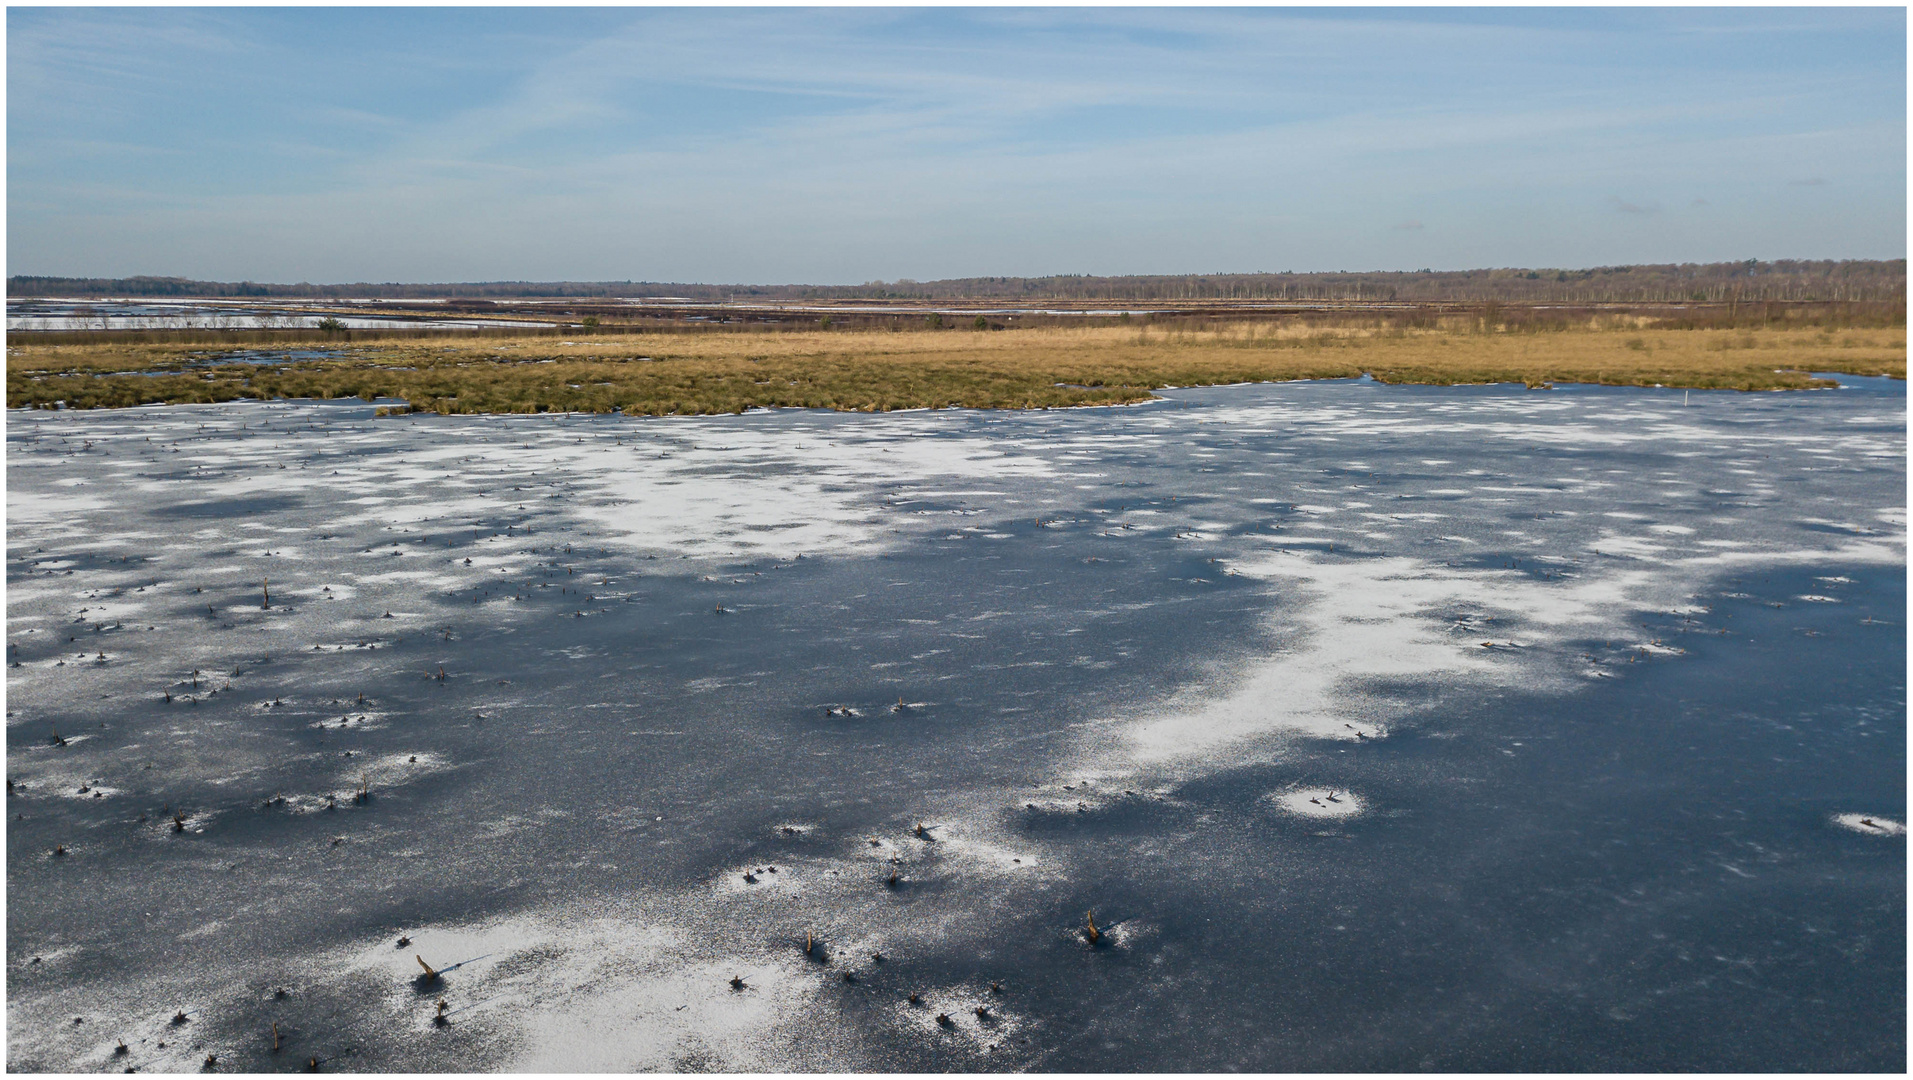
(1344, 708)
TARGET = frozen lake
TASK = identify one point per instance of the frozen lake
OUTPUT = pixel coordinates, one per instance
(1381, 728)
(211, 314)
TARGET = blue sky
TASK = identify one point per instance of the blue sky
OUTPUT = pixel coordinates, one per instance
(855, 144)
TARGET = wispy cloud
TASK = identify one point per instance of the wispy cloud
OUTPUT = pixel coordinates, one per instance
(850, 144)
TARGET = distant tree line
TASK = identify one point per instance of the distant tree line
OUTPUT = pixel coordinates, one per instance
(1751, 280)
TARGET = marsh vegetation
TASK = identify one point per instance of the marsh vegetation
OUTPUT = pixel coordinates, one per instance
(982, 363)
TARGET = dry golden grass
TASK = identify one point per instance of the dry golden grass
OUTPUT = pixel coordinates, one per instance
(876, 369)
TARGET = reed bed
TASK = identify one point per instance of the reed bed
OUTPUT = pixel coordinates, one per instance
(877, 370)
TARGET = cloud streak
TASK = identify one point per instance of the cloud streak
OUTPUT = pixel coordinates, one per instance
(845, 145)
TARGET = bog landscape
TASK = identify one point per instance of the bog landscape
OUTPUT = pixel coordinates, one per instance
(951, 683)
(907, 539)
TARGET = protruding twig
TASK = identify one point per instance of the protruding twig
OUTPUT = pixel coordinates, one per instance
(275, 1037)
(1090, 932)
(430, 975)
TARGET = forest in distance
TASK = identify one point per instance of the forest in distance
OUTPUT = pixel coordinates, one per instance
(687, 350)
(1083, 541)
(1750, 280)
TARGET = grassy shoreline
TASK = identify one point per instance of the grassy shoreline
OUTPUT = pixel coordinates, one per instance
(870, 370)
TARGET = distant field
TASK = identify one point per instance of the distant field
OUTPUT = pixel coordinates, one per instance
(719, 372)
